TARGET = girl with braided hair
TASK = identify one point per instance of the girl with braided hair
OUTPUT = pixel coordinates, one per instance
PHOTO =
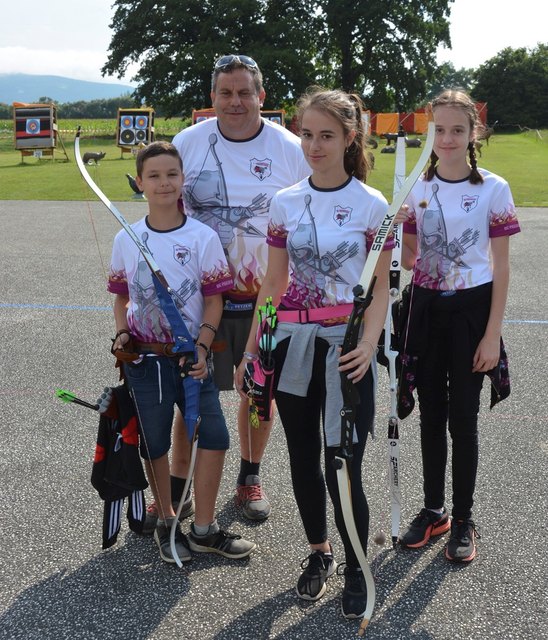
(457, 223)
(319, 235)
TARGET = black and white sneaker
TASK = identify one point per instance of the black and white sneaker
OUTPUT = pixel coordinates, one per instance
(318, 566)
(354, 595)
(220, 542)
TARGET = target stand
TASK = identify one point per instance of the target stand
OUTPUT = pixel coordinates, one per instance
(36, 131)
(134, 129)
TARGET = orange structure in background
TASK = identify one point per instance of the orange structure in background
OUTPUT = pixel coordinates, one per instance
(386, 123)
(414, 122)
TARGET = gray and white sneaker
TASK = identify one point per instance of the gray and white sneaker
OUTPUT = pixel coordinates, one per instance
(251, 497)
(162, 536)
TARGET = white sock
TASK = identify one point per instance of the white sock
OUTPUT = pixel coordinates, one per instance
(203, 530)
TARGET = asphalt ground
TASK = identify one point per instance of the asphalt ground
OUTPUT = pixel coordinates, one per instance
(56, 583)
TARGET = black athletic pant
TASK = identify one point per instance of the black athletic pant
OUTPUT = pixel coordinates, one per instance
(300, 418)
(449, 394)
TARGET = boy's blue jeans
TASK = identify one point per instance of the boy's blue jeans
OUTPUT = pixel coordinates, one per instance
(157, 386)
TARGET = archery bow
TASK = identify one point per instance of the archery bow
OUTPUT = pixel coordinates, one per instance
(183, 342)
(391, 354)
(363, 294)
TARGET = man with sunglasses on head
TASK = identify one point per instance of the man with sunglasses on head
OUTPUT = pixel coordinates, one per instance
(233, 165)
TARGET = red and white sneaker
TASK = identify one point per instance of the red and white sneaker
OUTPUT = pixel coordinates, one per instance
(151, 517)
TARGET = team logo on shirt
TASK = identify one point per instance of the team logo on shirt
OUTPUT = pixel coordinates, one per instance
(261, 168)
(469, 202)
(342, 215)
(181, 254)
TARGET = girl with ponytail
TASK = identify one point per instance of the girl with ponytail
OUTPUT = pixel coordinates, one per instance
(319, 235)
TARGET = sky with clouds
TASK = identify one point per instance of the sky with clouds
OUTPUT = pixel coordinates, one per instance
(71, 38)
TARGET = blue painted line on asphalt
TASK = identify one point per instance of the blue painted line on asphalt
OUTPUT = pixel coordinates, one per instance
(76, 307)
(62, 307)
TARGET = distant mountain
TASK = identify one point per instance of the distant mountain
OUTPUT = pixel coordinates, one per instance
(21, 87)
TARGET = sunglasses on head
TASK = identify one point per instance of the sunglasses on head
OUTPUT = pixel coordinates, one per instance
(226, 61)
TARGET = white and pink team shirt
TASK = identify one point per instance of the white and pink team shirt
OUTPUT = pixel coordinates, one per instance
(327, 234)
(454, 222)
(193, 263)
(229, 185)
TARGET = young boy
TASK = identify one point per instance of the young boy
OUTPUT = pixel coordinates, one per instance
(191, 258)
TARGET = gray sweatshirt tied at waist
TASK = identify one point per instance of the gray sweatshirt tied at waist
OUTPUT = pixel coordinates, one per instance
(297, 370)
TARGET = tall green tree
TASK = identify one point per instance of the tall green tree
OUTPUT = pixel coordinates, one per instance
(447, 77)
(176, 44)
(383, 50)
(515, 86)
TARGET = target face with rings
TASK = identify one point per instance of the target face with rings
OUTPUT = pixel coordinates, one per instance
(33, 126)
(127, 136)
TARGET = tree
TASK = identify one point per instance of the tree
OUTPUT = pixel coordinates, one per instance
(176, 44)
(383, 50)
(6, 111)
(448, 77)
(102, 108)
(515, 86)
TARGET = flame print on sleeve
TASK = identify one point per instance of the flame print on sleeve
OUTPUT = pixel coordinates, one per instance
(277, 235)
(504, 222)
(217, 280)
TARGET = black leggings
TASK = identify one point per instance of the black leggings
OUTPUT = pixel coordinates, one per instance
(449, 393)
(300, 418)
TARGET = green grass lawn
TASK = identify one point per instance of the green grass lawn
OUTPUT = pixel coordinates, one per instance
(521, 158)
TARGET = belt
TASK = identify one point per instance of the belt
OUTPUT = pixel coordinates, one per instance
(302, 316)
(158, 348)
